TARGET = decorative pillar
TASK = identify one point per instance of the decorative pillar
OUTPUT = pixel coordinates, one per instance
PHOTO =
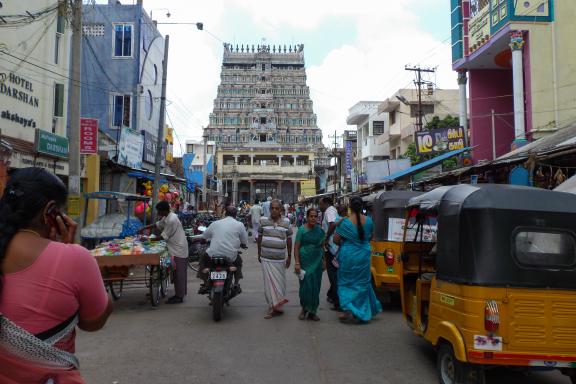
(295, 158)
(462, 80)
(279, 160)
(252, 192)
(251, 159)
(279, 190)
(517, 44)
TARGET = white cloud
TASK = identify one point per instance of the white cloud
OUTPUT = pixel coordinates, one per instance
(370, 68)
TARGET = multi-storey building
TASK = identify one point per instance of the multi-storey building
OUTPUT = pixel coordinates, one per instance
(519, 58)
(122, 80)
(402, 109)
(34, 62)
(263, 123)
(369, 125)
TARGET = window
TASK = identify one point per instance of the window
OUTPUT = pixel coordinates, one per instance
(58, 100)
(392, 118)
(263, 67)
(123, 40)
(59, 31)
(377, 128)
(427, 109)
(262, 120)
(537, 248)
(122, 111)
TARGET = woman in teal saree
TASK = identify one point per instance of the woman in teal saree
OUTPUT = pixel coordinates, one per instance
(309, 259)
(357, 297)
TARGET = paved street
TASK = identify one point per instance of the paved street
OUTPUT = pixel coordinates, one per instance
(181, 344)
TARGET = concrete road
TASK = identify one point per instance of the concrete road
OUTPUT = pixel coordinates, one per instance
(181, 344)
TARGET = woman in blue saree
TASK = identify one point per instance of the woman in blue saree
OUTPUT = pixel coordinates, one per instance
(357, 297)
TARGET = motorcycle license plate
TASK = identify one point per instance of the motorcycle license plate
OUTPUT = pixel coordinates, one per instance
(218, 275)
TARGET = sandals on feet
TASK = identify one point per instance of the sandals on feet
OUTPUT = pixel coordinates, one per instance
(313, 317)
(302, 315)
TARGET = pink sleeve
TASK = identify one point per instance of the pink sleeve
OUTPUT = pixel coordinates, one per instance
(92, 296)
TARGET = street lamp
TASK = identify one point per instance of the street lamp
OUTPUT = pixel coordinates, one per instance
(160, 9)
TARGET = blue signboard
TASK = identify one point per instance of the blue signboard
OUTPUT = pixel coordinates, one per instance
(348, 158)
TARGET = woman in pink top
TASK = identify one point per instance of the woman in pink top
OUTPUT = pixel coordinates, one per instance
(47, 285)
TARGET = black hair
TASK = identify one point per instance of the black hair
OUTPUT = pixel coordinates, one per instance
(356, 204)
(231, 211)
(25, 197)
(310, 210)
(163, 206)
(327, 200)
(257, 201)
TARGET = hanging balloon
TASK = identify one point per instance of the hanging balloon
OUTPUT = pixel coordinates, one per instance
(161, 196)
(148, 193)
(164, 188)
(139, 208)
(168, 196)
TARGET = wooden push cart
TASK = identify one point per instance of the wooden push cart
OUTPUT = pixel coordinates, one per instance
(123, 271)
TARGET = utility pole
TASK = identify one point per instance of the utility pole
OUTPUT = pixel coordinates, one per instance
(74, 116)
(419, 83)
(160, 138)
(335, 154)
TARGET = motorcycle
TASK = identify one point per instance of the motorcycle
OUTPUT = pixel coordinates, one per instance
(220, 284)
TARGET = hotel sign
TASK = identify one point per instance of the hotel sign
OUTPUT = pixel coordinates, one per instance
(479, 25)
(50, 144)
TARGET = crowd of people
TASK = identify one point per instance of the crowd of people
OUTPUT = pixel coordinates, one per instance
(49, 286)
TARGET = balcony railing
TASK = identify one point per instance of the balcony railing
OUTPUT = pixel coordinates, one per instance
(268, 169)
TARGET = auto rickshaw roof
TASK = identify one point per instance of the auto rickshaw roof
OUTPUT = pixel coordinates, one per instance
(395, 199)
(495, 196)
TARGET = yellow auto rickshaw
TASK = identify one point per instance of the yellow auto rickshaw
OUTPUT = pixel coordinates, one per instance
(498, 288)
(388, 215)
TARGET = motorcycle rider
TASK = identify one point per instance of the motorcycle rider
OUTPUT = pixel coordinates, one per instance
(226, 237)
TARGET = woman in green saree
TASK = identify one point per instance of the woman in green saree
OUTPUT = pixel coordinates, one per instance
(309, 258)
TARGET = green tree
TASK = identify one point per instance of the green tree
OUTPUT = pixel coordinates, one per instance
(435, 123)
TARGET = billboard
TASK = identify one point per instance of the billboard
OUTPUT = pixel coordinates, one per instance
(439, 140)
(130, 148)
(377, 170)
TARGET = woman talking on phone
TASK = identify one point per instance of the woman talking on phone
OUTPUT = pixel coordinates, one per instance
(48, 286)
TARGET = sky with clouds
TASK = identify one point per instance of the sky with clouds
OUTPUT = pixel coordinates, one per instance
(354, 50)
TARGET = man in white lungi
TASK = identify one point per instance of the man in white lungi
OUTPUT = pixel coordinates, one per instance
(255, 215)
(274, 241)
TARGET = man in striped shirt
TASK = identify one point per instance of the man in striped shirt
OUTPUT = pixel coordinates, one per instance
(274, 241)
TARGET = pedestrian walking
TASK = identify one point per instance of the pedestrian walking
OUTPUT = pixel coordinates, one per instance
(357, 297)
(266, 207)
(49, 286)
(170, 229)
(309, 264)
(329, 219)
(274, 241)
(255, 216)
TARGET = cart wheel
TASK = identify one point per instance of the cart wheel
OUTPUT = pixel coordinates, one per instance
(155, 284)
(164, 283)
(116, 288)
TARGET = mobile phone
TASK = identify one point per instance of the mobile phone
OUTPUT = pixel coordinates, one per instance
(51, 214)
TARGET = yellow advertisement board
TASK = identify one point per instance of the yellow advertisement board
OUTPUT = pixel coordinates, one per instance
(308, 188)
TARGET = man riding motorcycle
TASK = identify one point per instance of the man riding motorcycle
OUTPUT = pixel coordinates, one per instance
(226, 237)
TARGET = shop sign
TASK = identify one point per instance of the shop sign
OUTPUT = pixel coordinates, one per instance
(439, 140)
(18, 88)
(130, 148)
(51, 144)
(150, 149)
(308, 187)
(73, 208)
(348, 158)
(88, 136)
(21, 160)
(479, 25)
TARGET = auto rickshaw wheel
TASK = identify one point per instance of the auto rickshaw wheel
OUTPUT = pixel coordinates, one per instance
(452, 371)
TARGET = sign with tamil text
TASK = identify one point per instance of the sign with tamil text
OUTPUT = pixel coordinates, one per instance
(396, 231)
(88, 136)
(439, 140)
(51, 144)
(348, 158)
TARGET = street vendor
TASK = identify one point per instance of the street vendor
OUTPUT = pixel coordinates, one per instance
(170, 229)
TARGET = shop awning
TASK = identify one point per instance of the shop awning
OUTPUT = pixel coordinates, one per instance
(425, 165)
(150, 176)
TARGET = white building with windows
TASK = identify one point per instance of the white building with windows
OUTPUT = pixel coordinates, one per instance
(34, 62)
(369, 125)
